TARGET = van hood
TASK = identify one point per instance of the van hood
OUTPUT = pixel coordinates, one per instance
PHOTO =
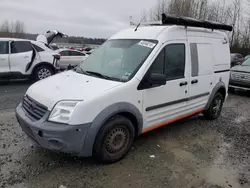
(49, 36)
(68, 86)
(241, 68)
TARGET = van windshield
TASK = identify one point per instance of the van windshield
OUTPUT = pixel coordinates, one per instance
(117, 59)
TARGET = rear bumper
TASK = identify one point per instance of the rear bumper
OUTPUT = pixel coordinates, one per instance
(55, 136)
(239, 85)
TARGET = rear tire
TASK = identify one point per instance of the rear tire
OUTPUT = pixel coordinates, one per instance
(214, 110)
(42, 72)
(114, 140)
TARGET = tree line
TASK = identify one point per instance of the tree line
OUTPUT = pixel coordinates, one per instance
(16, 29)
(235, 14)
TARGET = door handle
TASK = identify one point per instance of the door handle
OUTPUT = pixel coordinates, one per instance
(194, 81)
(26, 56)
(2, 58)
(183, 84)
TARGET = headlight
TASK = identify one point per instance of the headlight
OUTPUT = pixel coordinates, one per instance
(62, 111)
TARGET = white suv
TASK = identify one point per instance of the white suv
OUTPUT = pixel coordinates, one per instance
(137, 81)
(27, 58)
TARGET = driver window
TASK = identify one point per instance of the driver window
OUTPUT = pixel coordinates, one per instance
(158, 65)
(175, 61)
(171, 62)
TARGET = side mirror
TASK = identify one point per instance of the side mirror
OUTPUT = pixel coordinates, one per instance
(153, 80)
(156, 80)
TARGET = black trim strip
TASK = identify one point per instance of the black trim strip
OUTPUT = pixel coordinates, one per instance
(198, 96)
(220, 71)
(176, 102)
(165, 104)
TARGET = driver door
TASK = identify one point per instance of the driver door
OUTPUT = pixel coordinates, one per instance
(167, 103)
(21, 56)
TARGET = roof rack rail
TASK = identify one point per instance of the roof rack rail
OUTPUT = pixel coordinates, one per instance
(152, 23)
(185, 21)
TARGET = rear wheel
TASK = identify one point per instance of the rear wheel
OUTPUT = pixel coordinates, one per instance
(114, 140)
(43, 72)
(214, 110)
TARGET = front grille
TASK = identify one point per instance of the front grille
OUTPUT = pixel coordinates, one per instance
(241, 76)
(33, 109)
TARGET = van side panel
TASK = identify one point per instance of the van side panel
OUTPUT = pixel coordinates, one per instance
(210, 63)
(221, 52)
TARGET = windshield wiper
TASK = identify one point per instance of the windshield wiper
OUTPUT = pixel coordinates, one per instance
(99, 75)
(96, 74)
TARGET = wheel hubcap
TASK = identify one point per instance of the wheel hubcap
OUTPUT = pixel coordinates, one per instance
(44, 73)
(117, 140)
(217, 106)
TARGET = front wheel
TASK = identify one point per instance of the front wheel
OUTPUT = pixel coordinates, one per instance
(42, 72)
(114, 140)
(214, 110)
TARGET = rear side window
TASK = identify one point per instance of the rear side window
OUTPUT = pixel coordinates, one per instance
(4, 47)
(74, 53)
(64, 53)
(20, 47)
(37, 48)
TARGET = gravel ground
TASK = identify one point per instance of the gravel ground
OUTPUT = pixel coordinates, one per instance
(193, 153)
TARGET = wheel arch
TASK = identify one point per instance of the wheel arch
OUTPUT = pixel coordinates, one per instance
(127, 110)
(41, 64)
(219, 87)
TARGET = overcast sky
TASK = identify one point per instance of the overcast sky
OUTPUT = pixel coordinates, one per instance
(90, 18)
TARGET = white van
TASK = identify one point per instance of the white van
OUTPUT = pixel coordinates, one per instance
(137, 81)
(21, 58)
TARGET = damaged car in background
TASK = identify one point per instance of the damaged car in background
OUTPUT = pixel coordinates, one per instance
(22, 58)
(71, 58)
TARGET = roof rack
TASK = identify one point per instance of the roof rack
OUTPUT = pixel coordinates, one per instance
(185, 21)
(152, 23)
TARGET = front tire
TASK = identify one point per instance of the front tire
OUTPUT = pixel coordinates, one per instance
(214, 110)
(42, 72)
(114, 140)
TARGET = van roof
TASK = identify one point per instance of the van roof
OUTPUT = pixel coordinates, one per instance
(154, 32)
(149, 32)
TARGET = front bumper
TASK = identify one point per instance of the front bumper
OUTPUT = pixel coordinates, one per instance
(54, 136)
(239, 85)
